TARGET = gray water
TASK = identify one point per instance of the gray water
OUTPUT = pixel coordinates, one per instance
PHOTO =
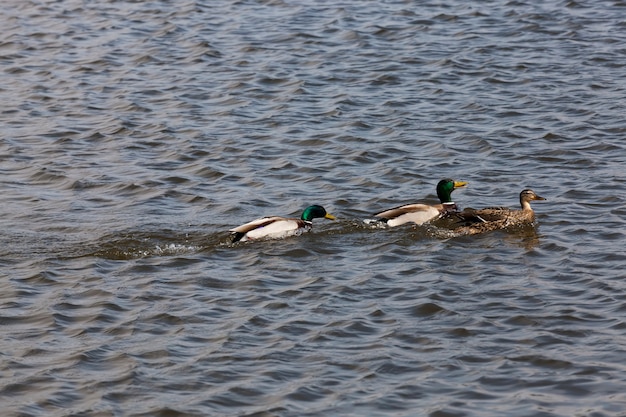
(135, 134)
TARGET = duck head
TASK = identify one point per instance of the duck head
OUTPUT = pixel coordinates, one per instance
(526, 196)
(315, 211)
(445, 188)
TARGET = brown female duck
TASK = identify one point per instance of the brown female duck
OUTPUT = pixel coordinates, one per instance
(471, 222)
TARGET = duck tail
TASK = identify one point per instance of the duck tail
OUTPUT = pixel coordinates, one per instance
(236, 236)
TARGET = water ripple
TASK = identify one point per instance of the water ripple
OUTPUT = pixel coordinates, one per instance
(135, 135)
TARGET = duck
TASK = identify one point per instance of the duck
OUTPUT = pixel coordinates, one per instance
(471, 221)
(419, 213)
(275, 227)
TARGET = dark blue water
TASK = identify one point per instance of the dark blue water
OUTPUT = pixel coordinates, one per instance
(135, 134)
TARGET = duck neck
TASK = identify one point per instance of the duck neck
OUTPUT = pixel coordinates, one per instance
(526, 205)
(444, 197)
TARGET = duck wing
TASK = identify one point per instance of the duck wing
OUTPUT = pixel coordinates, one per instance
(416, 213)
(489, 214)
(255, 224)
(269, 227)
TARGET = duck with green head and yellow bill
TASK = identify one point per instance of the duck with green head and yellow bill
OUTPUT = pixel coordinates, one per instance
(419, 213)
(275, 227)
(471, 221)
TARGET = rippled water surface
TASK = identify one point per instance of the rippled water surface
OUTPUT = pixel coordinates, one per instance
(135, 134)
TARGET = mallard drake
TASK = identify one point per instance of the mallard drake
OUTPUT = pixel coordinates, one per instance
(421, 213)
(473, 221)
(277, 227)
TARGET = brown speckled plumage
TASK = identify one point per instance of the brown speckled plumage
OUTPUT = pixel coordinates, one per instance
(471, 221)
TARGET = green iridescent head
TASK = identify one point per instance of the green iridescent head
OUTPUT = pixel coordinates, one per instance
(314, 212)
(445, 188)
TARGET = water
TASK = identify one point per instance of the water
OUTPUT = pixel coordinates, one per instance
(135, 134)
